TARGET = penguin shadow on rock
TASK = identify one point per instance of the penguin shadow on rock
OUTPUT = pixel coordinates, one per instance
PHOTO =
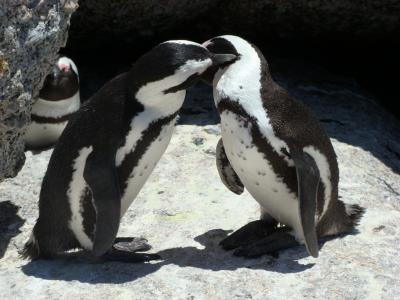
(75, 266)
(10, 223)
(213, 257)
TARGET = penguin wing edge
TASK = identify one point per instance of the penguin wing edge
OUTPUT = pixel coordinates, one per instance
(100, 175)
(228, 175)
(308, 178)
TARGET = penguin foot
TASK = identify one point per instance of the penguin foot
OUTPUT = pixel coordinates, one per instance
(248, 234)
(131, 244)
(279, 240)
(129, 257)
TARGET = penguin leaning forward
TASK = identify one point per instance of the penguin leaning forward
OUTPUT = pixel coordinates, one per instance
(273, 146)
(107, 152)
(58, 100)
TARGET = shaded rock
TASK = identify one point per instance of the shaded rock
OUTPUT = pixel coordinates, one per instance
(10, 222)
(129, 20)
(341, 19)
(31, 33)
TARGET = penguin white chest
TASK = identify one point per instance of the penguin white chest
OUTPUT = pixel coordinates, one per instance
(145, 165)
(256, 172)
(43, 134)
(47, 132)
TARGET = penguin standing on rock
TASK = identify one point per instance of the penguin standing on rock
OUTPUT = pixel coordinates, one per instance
(58, 100)
(108, 150)
(273, 146)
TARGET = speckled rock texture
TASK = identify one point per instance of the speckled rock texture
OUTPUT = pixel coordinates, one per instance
(294, 19)
(184, 211)
(31, 33)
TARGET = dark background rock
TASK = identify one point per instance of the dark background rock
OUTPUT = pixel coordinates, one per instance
(31, 34)
(351, 38)
(294, 19)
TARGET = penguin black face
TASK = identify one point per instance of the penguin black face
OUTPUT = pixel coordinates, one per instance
(62, 83)
(216, 46)
(178, 64)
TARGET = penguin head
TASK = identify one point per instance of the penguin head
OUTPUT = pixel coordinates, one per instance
(229, 44)
(175, 65)
(63, 81)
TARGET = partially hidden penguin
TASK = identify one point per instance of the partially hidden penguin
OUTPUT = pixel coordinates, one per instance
(274, 146)
(108, 150)
(58, 100)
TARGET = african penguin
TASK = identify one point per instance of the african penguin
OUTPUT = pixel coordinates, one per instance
(274, 147)
(58, 100)
(108, 150)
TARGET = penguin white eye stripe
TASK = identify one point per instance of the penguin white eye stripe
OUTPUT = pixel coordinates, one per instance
(183, 42)
(198, 65)
(207, 43)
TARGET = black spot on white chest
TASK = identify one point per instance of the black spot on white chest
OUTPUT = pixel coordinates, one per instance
(257, 169)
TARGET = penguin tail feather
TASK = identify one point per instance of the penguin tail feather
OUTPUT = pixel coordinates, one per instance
(31, 249)
(354, 213)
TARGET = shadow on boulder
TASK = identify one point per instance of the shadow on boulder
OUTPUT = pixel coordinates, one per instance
(211, 257)
(10, 223)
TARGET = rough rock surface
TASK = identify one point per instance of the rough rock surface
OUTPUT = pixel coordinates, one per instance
(342, 19)
(184, 211)
(31, 33)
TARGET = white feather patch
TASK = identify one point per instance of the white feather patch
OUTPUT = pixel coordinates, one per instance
(325, 174)
(43, 134)
(74, 193)
(56, 109)
(257, 174)
(158, 104)
(183, 42)
(145, 166)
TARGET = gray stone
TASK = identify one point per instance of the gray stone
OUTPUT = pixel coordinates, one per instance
(31, 33)
(184, 211)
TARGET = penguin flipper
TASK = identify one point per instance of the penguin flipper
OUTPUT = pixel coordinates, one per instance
(228, 175)
(308, 178)
(100, 175)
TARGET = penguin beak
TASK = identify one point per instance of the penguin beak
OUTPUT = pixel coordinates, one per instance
(222, 59)
(64, 68)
